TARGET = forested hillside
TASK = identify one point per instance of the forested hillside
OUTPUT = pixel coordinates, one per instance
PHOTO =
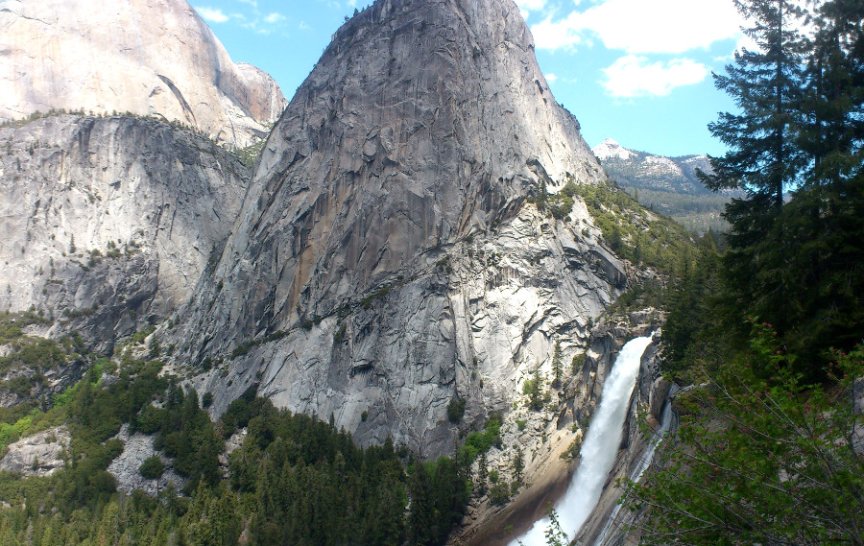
(289, 480)
(768, 334)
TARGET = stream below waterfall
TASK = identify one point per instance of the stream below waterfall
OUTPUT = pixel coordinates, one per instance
(599, 450)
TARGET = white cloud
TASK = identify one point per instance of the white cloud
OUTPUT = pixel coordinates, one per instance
(274, 18)
(531, 5)
(634, 76)
(213, 15)
(527, 6)
(551, 77)
(352, 3)
(642, 26)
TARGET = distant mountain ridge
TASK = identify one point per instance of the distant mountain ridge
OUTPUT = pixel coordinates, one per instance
(636, 169)
(668, 185)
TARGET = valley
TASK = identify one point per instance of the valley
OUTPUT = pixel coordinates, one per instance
(411, 305)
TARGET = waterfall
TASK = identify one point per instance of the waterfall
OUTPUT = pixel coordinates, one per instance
(644, 463)
(599, 449)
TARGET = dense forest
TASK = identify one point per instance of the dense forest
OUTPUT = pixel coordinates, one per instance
(768, 333)
(292, 480)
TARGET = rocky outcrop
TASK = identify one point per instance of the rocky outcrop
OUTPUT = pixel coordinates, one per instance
(387, 258)
(41, 454)
(108, 223)
(146, 57)
(22, 382)
(126, 467)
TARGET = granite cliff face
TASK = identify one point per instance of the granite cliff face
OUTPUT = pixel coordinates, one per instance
(146, 57)
(388, 257)
(108, 223)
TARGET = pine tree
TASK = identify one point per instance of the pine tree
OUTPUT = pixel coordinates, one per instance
(556, 366)
(834, 96)
(765, 84)
(764, 159)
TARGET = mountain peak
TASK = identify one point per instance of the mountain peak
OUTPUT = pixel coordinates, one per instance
(145, 57)
(348, 283)
(610, 148)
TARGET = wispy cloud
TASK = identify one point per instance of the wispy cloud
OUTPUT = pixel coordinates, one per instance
(636, 76)
(551, 77)
(212, 15)
(249, 17)
(273, 18)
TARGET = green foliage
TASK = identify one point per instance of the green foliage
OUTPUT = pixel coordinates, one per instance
(152, 468)
(295, 480)
(761, 460)
(805, 274)
(499, 493)
(250, 344)
(556, 365)
(482, 475)
(439, 494)
(694, 332)
(634, 233)
(554, 535)
(480, 441)
(794, 259)
(577, 362)
(518, 466)
(250, 154)
(379, 294)
(763, 453)
(533, 389)
(455, 409)
(763, 158)
(12, 325)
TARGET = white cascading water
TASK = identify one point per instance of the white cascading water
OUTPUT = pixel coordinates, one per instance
(599, 449)
(644, 463)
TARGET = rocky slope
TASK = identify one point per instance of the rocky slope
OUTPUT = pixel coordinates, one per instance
(109, 222)
(146, 57)
(387, 258)
(668, 185)
(41, 454)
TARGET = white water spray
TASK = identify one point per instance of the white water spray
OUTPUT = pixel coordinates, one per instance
(644, 463)
(599, 449)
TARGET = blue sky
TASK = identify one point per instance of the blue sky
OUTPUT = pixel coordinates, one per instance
(638, 71)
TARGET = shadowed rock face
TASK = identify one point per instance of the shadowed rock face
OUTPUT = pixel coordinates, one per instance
(386, 258)
(108, 223)
(147, 57)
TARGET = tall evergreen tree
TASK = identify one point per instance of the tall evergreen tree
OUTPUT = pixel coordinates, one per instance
(833, 104)
(764, 159)
(765, 83)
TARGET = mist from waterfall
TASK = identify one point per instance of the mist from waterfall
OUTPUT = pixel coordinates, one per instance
(598, 450)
